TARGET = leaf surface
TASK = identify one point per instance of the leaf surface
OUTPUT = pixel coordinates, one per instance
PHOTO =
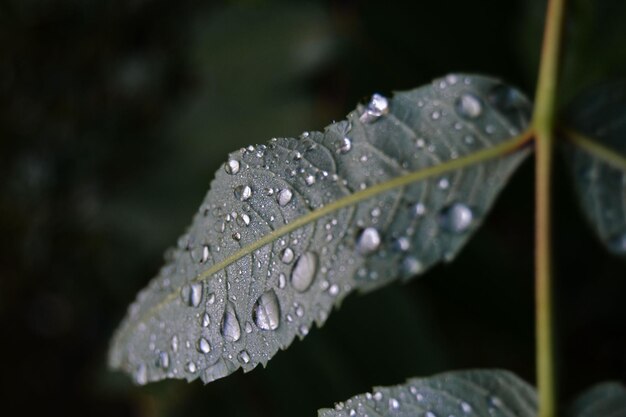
(604, 400)
(596, 127)
(490, 393)
(288, 229)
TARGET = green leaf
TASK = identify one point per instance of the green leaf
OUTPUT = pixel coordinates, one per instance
(604, 400)
(288, 229)
(490, 393)
(596, 129)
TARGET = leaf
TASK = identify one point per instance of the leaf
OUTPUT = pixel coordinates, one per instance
(596, 127)
(604, 400)
(288, 229)
(464, 393)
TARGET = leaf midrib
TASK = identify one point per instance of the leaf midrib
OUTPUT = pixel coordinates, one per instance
(592, 147)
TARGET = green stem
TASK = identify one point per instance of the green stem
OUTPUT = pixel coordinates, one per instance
(543, 125)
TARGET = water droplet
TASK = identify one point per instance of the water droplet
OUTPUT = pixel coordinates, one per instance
(206, 320)
(284, 197)
(466, 407)
(164, 360)
(287, 255)
(236, 236)
(368, 241)
(190, 367)
(230, 328)
(304, 271)
(494, 401)
(210, 298)
(282, 280)
(333, 290)
(243, 220)
(419, 209)
(394, 404)
(203, 346)
(617, 244)
(141, 374)
(345, 145)
(430, 414)
(266, 311)
(436, 115)
(248, 327)
(232, 167)
(243, 192)
(205, 254)
(469, 139)
(469, 106)
(243, 357)
(456, 218)
(309, 179)
(192, 294)
(412, 266)
(402, 244)
(378, 396)
(443, 184)
(378, 106)
(303, 330)
(174, 343)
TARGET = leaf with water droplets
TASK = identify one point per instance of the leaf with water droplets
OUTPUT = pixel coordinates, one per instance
(596, 151)
(288, 229)
(493, 393)
(604, 400)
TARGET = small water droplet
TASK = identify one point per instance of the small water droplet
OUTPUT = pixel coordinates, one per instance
(443, 184)
(368, 241)
(284, 197)
(333, 290)
(141, 374)
(494, 401)
(210, 298)
(203, 346)
(205, 254)
(303, 330)
(282, 280)
(266, 311)
(309, 179)
(456, 218)
(378, 396)
(466, 407)
(430, 414)
(243, 357)
(247, 327)
(469, 139)
(469, 106)
(490, 129)
(243, 192)
(378, 106)
(191, 367)
(174, 343)
(164, 360)
(192, 294)
(394, 404)
(206, 320)
(304, 271)
(236, 236)
(287, 255)
(232, 167)
(436, 115)
(419, 210)
(344, 145)
(243, 220)
(230, 328)
(402, 244)
(420, 143)
(412, 266)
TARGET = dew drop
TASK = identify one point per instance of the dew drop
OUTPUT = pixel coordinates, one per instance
(247, 327)
(191, 367)
(174, 343)
(210, 298)
(402, 244)
(436, 115)
(284, 197)
(282, 280)
(164, 360)
(266, 311)
(304, 271)
(230, 328)
(205, 254)
(419, 210)
(344, 146)
(243, 192)
(141, 374)
(394, 404)
(203, 345)
(309, 179)
(469, 106)
(232, 167)
(456, 218)
(206, 320)
(236, 236)
(368, 241)
(466, 407)
(412, 266)
(243, 357)
(192, 294)
(243, 220)
(378, 396)
(303, 330)
(430, 414)
(378, 106)
(443, 184)
(287, 255)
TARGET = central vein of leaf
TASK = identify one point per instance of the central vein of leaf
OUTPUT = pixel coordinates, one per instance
(483, 155)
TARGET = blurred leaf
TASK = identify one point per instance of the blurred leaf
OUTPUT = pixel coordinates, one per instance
(596, 127)
(289, 229)
(604, 400)
(478, 393)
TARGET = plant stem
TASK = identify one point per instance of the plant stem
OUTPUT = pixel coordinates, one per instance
(543, 124)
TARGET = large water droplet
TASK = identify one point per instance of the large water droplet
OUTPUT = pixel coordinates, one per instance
(287, 255)
(304, 271)
(344, 145)
(243, 357)
(456, 218)
(243, 192)
(469, 106)
(266, 311)
(203, 346)
(232, 166)
(368, 241)
(378, 106)
(284, 197)
(192, 294)
(230, 328)
(164, 360)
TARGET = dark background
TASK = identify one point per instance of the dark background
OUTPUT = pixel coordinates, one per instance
(114, 115)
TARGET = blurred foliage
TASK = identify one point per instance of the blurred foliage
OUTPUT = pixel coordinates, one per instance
(114, 115)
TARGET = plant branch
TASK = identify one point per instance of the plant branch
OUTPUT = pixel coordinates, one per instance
(543, 125)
